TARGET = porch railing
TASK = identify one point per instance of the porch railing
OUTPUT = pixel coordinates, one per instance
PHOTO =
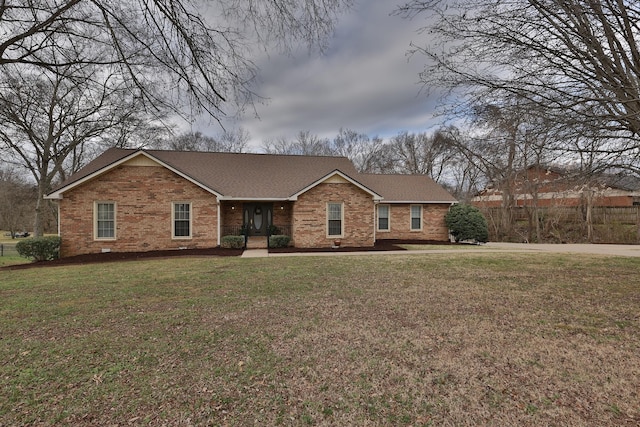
(282, 229)
(240, 230)
(232, 230)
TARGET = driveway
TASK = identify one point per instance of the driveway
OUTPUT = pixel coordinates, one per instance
(578, 248)
(586, 248)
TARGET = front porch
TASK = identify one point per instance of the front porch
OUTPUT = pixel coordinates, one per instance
(257, 242)
(256, 220)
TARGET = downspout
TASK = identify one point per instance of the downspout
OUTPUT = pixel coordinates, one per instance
(58, 206)
(375, 226)
(218, 220)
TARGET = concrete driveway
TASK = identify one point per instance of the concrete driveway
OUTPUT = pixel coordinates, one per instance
(578, 248)
(606, 250)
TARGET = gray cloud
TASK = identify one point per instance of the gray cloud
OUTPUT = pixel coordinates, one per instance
(363, 81)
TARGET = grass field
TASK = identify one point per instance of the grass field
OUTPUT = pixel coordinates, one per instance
(437, 339)
(8, 254)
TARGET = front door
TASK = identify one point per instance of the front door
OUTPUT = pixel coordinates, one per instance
(257, 218)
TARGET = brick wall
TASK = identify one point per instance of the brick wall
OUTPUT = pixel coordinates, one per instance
(231, 214)
(310, 216)
(282, 214)
(433, 225)
(143, 197)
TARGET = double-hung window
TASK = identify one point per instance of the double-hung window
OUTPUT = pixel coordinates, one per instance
(334, 219)
(416, 217)
(105, 221)
(181, 214)
(383, 218)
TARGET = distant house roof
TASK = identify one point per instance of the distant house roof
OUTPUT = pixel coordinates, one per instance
(622, 181)
(264, 176)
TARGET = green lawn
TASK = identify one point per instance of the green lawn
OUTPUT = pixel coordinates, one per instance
(8, 254)
(437, 339)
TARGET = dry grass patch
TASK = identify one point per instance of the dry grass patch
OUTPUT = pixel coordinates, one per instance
(427, 247)
(452, 339)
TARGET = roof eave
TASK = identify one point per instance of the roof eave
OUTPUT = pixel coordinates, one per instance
(253, 199)
(421, 202)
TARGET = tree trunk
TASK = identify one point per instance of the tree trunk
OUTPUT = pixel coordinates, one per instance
(38, 228)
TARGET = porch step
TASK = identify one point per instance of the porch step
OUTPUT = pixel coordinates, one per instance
(257, 242)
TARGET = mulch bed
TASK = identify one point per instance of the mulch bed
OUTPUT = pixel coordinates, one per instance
(381, 245)
(125, 256)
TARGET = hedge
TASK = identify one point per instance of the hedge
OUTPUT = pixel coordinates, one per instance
(39, 248)
(279, 241)
(232, 242)
(466, 222)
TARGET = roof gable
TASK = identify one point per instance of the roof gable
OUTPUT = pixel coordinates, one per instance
(333, 177)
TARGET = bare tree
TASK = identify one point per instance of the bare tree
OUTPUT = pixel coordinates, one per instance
(227, 142)
(505, 140)
(16, 202)
(49, 118)
(234, 141)
(422, 153)
(306, 144)
(80, 71)
(277, 146)
(577, 61)
(172, 53)
(365, 153)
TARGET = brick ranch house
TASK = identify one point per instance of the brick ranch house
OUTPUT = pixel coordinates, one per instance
(550, 186)
(129, 200)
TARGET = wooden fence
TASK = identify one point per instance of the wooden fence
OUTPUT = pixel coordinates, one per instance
(8, 249)
(599, 214)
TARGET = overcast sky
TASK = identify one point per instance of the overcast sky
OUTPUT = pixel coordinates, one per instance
(364, 81)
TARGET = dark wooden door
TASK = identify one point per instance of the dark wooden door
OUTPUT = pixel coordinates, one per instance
(257, 218)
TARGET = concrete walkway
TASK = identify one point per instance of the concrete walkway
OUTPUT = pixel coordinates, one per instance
(255, 253)
(606, 250)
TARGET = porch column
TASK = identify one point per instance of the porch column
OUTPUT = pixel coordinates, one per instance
(219, 226)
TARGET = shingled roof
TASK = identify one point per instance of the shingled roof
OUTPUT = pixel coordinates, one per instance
(407, 188)
(264, 176)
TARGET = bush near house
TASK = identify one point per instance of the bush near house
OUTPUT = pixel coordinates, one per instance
(39, 248)
(232, 242)
(466, 222)
(279, 241)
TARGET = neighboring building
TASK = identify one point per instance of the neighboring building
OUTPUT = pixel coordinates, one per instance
(140, 200)
(547, 186)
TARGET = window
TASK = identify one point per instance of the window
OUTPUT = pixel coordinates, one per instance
(182, 220)
(334, 219)
(383, 217)
(416, 217)
(105, 220)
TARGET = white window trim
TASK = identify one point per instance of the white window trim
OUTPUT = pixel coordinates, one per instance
(173, 220)
(335, 236)
(383, 230)
(411, 217)
(95, 220)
